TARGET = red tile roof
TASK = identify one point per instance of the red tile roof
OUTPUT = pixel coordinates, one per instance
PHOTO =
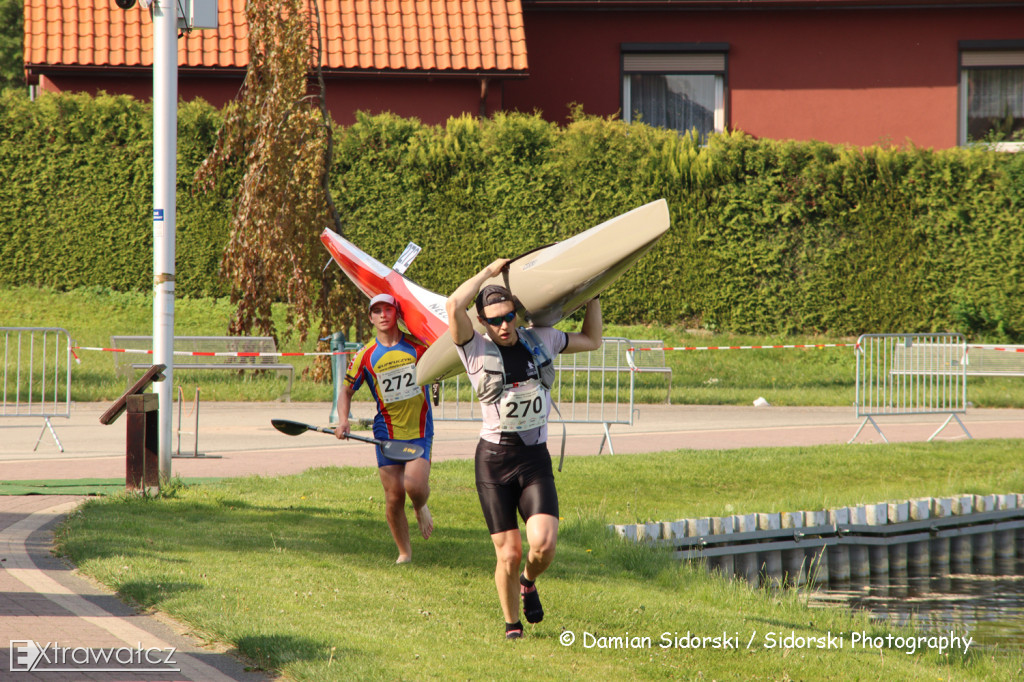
(377, 35)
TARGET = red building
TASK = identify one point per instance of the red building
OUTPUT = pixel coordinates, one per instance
(426, 58)
(936, 73)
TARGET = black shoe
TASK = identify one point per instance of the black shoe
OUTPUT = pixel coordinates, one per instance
(532, 609)
(514, 630)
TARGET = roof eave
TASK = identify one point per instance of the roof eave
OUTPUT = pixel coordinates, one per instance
(33, 71)
(425, 73)
(745, 5)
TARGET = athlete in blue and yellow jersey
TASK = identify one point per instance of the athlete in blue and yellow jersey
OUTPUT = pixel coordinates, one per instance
(387, 365)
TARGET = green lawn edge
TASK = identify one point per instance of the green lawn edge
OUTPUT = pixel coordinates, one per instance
(296, 572)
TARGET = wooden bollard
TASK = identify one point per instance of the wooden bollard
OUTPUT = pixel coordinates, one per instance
(817, 557)
(674, 530)
(794, 561)
(827, 559)
(961, 546)
(724, 525)
(769, 564)
(1019, 533)
(1005, 542)
(838, 555)
(918, 554)
(860, 564)
(699, 528)
(746, 564)
(983, 544)
(898, 512)
(939, 547)
(878, 555)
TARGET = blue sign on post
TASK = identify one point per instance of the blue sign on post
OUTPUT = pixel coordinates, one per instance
(158, 214)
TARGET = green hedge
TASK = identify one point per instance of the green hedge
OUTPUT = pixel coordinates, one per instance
(768, 236)
(76, 200)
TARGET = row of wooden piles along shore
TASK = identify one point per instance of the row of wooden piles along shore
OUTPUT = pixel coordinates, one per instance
(865, 544)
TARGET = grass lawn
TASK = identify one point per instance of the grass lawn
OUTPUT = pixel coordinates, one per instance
(296, 572)
(802, 377)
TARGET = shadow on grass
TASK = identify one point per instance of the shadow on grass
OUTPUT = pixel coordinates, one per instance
(294, 535)
(149, 593)
(273, 651)
(257, 516)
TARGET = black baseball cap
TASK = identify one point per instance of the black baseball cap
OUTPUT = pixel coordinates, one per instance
(491, 294)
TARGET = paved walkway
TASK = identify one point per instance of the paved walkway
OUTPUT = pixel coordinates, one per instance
(55, 625)
(45, 604)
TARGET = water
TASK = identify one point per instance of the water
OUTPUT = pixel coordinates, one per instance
(989, 608)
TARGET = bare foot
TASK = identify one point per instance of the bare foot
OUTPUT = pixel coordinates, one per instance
(403, 559)
(426, 522)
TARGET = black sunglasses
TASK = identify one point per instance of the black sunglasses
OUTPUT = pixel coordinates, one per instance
(496, 321)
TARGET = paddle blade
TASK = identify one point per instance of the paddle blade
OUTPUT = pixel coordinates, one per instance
(289, 427)
(401, 452)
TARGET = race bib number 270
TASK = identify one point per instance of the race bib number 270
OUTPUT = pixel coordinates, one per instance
(523, 410)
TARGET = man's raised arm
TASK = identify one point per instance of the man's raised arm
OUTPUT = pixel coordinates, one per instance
(458, 319)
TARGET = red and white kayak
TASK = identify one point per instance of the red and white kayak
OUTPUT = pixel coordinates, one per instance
(422, 310)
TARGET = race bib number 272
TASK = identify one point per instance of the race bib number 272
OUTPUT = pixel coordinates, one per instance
(398, 384)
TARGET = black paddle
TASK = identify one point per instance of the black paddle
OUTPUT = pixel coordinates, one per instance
(392, 449)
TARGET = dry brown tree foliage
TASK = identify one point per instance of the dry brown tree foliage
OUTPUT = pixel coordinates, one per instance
(278, 133)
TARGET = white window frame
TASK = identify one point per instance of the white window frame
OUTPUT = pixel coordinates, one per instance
(976, 55)
(671, 59)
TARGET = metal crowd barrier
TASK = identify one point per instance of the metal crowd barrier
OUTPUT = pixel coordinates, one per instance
(596, 387)
(37, 375)
(995, 360)
(911, 374)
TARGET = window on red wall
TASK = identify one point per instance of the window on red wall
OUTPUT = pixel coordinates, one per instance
(681, 87)
(992, 94)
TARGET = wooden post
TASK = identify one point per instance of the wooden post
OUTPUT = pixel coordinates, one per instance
(898, 512)
(838, 554)
(1005, 545)
(699, 528)
(769, 564)
(142, 464)
(961, 546)
(746, 563)
(983, 544)
(817, 557)
(860, 564)
(794, 561)
(719, 526)
(878, 555)
(939, 547)
(918, 554)
(142, 446)
(1019, 535)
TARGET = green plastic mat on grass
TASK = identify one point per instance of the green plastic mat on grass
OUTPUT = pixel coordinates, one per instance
(76, 486)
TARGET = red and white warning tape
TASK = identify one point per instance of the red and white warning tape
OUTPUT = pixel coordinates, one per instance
(242, 354)
(800, 345)
(228, 354)
(1016, 349)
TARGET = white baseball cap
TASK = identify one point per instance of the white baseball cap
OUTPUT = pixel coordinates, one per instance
(383, 298)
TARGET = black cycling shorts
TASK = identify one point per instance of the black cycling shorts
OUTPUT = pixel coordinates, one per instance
(511, 478)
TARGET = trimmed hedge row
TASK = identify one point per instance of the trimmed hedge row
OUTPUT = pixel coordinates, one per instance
(76, 197)
(768, 236)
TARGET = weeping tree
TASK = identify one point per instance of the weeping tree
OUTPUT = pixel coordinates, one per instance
(277, 138)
